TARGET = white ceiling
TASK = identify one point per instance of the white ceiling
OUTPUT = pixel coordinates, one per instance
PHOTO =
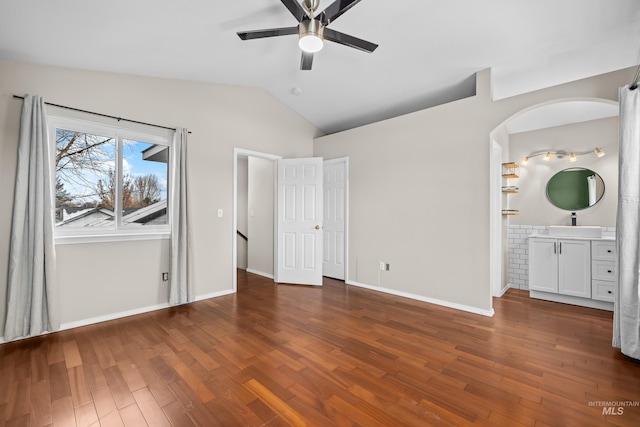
(429, 49)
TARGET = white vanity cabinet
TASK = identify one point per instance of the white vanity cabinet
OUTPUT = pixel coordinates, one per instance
(579, 271)
(560, 266)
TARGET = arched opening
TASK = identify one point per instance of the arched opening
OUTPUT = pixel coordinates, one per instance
(560, 127)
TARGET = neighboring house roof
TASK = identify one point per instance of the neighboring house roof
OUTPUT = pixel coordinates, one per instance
(154, 214)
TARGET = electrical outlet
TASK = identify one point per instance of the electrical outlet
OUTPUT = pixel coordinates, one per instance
(165, 277)
(219, 213)
(382, 266)
(387, 267)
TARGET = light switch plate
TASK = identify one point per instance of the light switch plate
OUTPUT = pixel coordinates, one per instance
(219, 213)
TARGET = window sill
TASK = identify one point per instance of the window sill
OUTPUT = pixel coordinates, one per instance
(115, 237)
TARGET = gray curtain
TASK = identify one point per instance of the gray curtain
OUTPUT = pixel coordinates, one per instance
(626, 315)
(180, 288)
(32, 296)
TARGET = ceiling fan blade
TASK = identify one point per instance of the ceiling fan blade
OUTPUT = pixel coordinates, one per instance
(295, 8)
(306, 61)
(347, 40)
(271, 32)
(335, 10)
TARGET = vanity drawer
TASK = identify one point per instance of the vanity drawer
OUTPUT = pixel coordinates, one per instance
(603, 270)
(601, 290)
(603, 250)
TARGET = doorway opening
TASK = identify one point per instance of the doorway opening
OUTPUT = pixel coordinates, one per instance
(255, 225)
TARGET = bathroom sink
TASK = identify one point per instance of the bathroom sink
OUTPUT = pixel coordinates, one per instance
(586, 231)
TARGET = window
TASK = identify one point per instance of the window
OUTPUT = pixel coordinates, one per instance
(110, 181)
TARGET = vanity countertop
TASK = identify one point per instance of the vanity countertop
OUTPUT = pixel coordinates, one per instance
(605, 236)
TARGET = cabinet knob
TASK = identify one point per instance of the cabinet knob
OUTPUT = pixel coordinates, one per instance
(609, 292)
(608, 271)
(609, 250)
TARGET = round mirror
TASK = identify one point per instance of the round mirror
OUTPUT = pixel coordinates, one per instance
(575, 189)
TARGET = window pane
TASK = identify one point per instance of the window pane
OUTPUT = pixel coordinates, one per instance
(85, 178)
(144, 183)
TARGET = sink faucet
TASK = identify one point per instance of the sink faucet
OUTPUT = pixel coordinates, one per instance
(574, 219)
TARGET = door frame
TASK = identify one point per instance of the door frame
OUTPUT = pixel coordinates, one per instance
(344, 160)
(495, 226)
(237, 153)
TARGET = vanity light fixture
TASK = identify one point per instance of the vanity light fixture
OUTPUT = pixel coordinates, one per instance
(573, 156)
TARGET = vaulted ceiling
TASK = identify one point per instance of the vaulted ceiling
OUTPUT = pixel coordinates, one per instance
(428, 50)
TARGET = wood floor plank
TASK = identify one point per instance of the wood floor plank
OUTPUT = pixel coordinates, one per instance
(152, 412)
(40, 404)
(80, 392)
(278, 406)
(131, 375)
(63, 413)
(132, 416)
(118, 386)
(103, 402)
(71, 354)
(194, 383)
(112, 419)
(177, 416)
(334, 355)
(86, 415)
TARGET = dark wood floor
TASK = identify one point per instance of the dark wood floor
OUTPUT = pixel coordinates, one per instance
(282, 355)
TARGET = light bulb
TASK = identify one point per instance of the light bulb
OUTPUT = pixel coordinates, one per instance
(547, 156)
(573, 157)
(310, 43)
(525, 160)
(599, 152)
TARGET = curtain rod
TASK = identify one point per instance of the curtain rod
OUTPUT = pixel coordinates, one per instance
(102, 115)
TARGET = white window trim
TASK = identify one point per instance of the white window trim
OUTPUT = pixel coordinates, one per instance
(124, 130)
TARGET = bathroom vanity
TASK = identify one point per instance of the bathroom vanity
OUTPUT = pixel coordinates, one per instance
(573, 265)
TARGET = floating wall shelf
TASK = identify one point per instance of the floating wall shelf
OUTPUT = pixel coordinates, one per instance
(510, 212)
(510, 170)
(510, 189)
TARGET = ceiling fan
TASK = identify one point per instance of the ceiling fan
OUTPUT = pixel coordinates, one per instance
(312, 29)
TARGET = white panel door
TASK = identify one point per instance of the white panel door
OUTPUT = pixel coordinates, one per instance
(333, 262)
(299, 221)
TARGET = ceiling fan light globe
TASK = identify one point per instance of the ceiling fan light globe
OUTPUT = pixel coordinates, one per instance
(310, 43)
(311, 33)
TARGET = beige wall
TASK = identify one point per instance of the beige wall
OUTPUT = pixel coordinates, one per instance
(419, 191)
(220, 117)
(535, 208)
(260, 221)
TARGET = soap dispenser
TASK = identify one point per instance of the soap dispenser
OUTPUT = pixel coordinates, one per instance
(574, 219)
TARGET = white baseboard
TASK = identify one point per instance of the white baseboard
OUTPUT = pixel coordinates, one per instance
(112, 316)
(215, 294)
(462, 307)
(503, 290)
(121, 314)
(260, 273)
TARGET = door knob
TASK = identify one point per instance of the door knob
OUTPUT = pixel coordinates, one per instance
(317, 227)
